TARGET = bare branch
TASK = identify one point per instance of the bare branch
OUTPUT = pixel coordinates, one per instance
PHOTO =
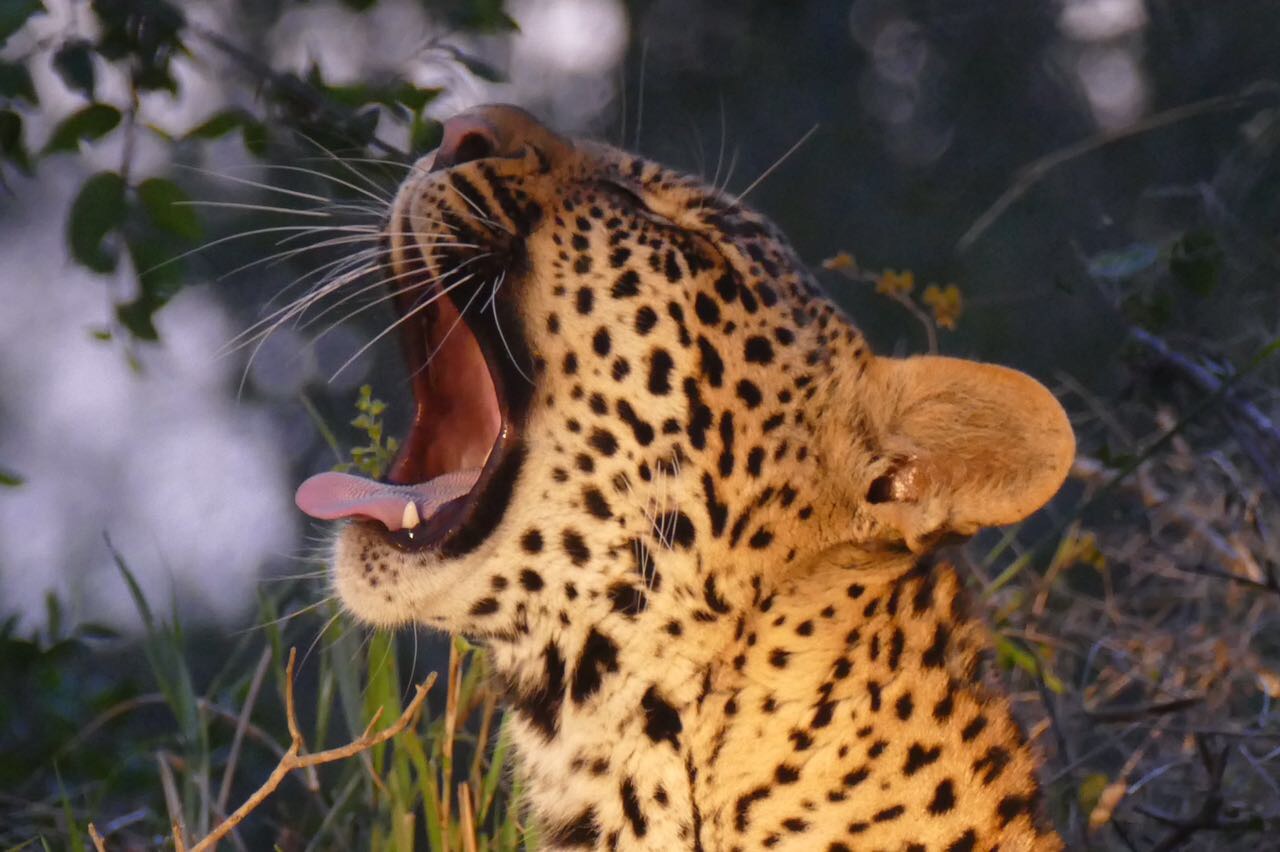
(294, 759)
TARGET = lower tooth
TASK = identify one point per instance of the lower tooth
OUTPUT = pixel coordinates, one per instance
(410, 518)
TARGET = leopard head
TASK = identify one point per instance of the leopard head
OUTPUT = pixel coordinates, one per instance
(621, 376)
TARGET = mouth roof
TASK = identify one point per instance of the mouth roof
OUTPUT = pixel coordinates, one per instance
(456, 438)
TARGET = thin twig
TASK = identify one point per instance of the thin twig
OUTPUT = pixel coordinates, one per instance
(1034, 172)
(242, 724)
(294, 758)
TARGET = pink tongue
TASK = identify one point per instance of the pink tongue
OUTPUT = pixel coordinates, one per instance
(329, 496)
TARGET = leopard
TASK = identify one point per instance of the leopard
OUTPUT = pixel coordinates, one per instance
(662, 478)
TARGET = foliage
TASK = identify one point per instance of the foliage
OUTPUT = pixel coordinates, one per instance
(149, 219)
(87, 749)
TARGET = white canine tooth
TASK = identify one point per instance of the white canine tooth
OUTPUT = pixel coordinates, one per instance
(410, 518)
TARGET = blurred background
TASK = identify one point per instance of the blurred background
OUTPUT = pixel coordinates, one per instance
(1098, 179)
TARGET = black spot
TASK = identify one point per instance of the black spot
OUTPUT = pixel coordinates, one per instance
(707, 310)
(600, 341)
(627, 599)
(642, 429)
(935, 655)
(944, 798)
(699, 415)
(617, 258)
(710, 363)
(485, 606)
(631, 807)
(660, 366)
(742, 807)
(671, 267)
(726, 441)
(531, 580)
(646, 319)
(749, 393)
(758, 350)
(801, 740)
(822, 715)
(1011, 807)
(661, 721)
(856, 777)
(621, 369)
(904, 706)
(714, 601)
(541, 705)
(570, 364)
(575, 547)
(531, 541)
(992, 763)
(896, 644)
(596, 504)
(971, 730)
(675, 529)
(786, 774)
(966, 842)
(599, 656)
(603, 441)
(582, 831)
(628, 283)
(586, 300)
(755, 459)
(716, 511)
(919, 757)
(760, 539)
(888, 814)
(778, 658)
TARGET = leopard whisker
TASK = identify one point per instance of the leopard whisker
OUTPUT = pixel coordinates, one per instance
(776, 163)
(287, 617)
(461, 313)
(342, 161)
(407, 316)
(502, 334)
(381, 299)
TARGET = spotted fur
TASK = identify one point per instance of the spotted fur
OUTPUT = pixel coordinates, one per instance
(704, 579)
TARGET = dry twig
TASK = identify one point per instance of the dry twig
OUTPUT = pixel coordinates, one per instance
(294, 758)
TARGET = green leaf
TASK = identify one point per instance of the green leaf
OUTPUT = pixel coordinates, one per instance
(255, 138)
(92, 122)
(219, 124)
(1124, 263)
(14, 13)
(487, 16)
(227, 121)
(11, 147)
(98, 210)
(424, 134)
(92, 630)
(158, 280)
(164, 203)
(10, 479)
(15, 82)
(74, 64)
(1195, 262)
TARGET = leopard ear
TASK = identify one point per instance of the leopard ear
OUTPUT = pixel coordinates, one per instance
(964, 445)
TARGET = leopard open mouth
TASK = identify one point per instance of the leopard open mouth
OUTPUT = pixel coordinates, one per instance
(451, 480)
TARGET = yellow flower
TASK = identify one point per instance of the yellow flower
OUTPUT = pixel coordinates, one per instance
(891, 283)
(945, 303)
(842, 262)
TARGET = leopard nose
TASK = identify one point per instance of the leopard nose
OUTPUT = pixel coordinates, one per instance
(496, 130)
